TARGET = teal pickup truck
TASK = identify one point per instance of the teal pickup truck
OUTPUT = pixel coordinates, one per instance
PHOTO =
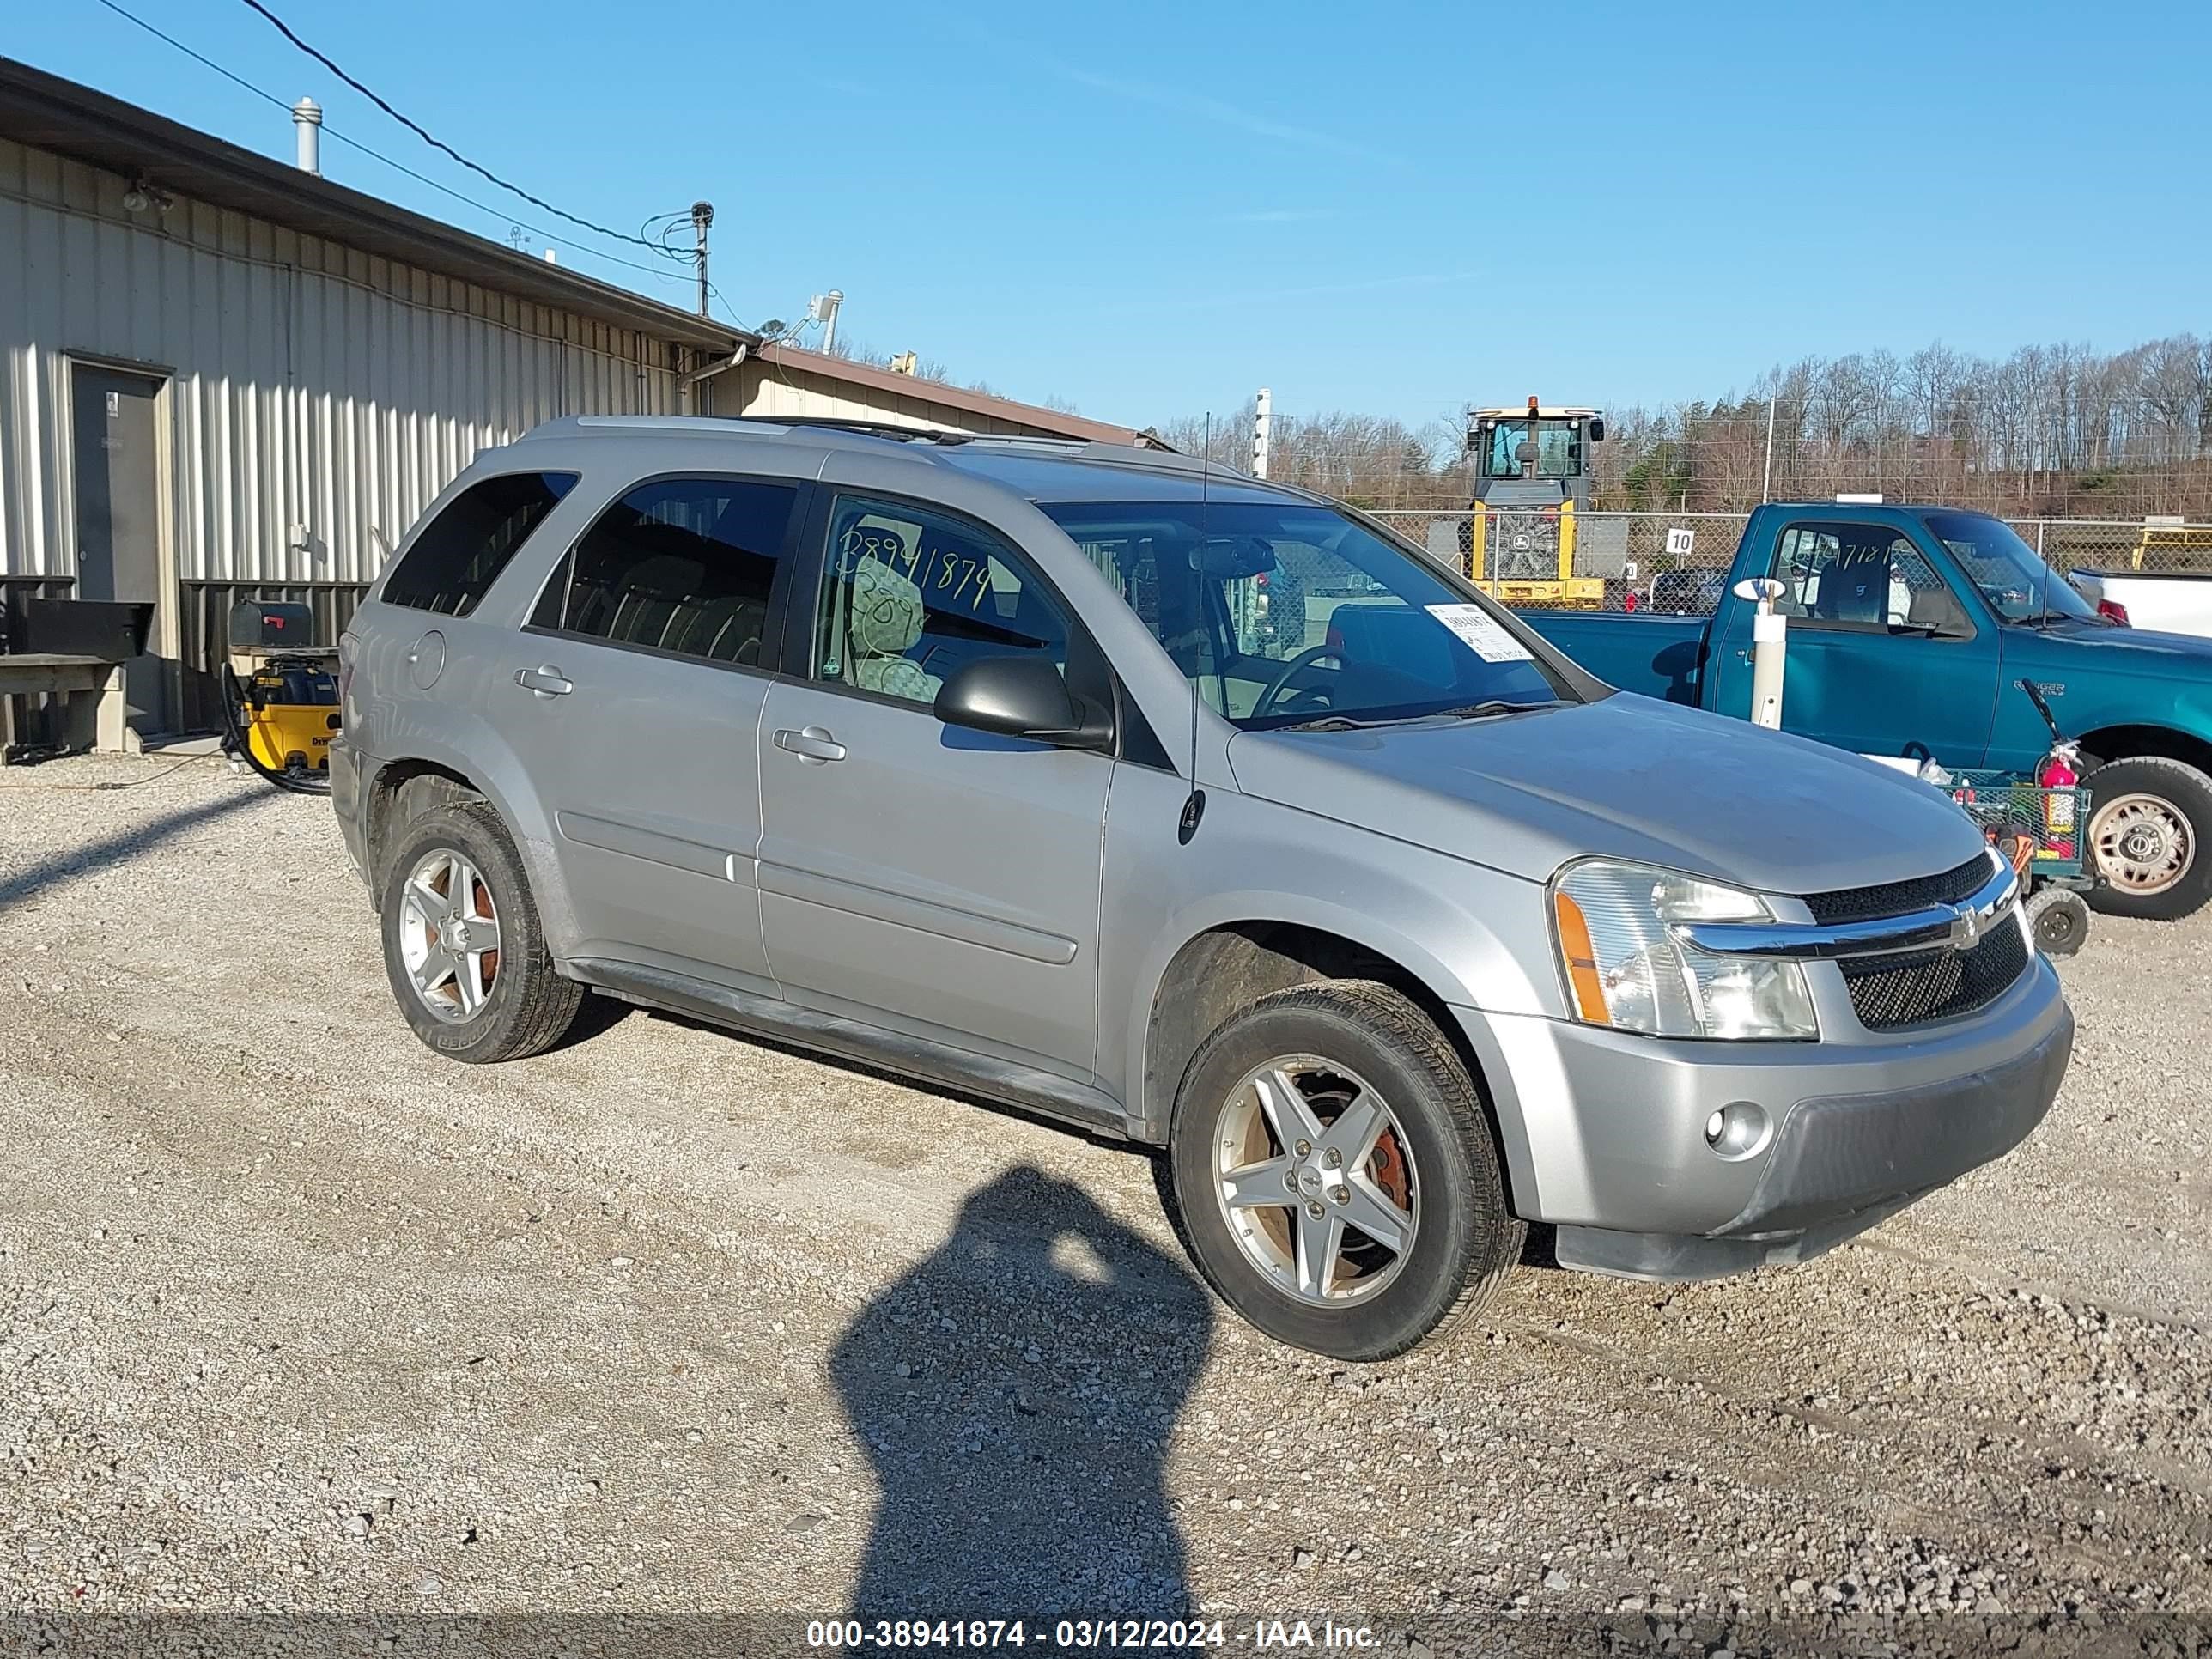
(1910, 628)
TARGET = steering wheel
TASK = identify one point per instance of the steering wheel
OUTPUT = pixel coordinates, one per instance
(1306, 659)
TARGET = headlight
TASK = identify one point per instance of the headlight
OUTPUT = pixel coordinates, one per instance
(1625, 969)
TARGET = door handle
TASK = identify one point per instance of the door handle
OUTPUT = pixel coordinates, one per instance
(813, 745)
(544, 681)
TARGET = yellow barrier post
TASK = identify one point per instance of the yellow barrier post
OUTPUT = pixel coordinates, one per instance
(1476, 525)
(1566, 539)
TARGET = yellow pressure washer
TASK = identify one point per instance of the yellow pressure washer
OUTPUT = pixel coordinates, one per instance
(280, 701)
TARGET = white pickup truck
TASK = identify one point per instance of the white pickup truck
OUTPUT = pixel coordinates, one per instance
(2172, 604)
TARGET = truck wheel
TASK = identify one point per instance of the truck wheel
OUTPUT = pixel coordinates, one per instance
(462, 944)
(2059, 919)
(2150, 833)
(1330, 1169)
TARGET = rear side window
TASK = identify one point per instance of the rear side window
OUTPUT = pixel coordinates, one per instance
(682, 565)
(461, 553)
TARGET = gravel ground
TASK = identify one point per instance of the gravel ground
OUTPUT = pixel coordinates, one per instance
(296, 1319)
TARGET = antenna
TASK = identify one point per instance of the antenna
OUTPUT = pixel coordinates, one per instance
(1194, 807)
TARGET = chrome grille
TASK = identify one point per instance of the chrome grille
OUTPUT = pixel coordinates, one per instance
(1896, 898)
(1941, 984)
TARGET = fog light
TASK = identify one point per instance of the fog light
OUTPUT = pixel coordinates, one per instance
(1738, 1130)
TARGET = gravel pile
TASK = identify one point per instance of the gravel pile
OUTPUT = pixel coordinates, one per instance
(295, 1319)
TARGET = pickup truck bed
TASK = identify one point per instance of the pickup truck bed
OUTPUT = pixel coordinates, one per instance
(1659, 656)
(2179, 604)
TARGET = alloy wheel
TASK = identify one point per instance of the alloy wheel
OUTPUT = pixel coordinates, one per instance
(1316, 1178)
(449, 936)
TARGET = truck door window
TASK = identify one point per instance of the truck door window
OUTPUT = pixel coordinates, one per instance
(1864, 576)
(909, 594)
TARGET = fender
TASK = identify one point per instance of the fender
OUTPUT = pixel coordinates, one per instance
(1466, 932)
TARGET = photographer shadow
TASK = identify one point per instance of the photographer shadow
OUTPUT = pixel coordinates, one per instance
(1017, 1391)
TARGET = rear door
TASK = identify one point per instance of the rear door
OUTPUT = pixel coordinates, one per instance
(634, 696)
(1864, 671)
(937, 880)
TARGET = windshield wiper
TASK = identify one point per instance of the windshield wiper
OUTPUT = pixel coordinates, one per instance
(1472, 711)
(1346, 723)
(1489, 705)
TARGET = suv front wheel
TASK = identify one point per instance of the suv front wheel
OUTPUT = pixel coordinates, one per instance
(1331, 1171)
(463, 946)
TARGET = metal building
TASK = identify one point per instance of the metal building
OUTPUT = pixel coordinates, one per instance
(224, 377)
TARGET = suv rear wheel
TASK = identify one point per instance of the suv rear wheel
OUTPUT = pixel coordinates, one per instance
(463, 946)
(1331, 1171)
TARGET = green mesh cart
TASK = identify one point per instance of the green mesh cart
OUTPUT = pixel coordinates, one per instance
(2042, 830)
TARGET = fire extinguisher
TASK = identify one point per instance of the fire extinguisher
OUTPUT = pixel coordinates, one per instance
(2060, 771)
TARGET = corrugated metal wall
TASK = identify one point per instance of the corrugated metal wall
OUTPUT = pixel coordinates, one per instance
(311, 386)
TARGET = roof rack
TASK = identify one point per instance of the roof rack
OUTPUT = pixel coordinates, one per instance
(867, 429)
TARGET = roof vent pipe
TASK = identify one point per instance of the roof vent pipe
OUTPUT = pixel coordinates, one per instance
(307, 121)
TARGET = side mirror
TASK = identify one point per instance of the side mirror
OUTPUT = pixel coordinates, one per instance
(1596, 431)
(1018, 697)
(1936, 612)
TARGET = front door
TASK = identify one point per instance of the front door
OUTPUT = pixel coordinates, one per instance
(1884, 657)
(634, 696)
(940, 881)
(118, 529)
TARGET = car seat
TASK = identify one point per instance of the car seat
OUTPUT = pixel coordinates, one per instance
(654, 599)
(885, 618)
(1856, 587)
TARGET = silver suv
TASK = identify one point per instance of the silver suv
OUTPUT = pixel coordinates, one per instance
(1189, 810)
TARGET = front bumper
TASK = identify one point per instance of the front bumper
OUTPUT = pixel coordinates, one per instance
(1605, 1131)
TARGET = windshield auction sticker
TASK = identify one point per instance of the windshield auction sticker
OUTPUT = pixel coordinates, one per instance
(1481, 632)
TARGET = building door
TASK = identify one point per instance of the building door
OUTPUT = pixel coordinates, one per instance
(118, 532)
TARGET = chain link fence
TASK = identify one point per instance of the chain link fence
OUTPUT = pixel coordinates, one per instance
(1675, 564)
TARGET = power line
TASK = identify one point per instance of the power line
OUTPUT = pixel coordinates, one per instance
(435, 143)
(659, 272)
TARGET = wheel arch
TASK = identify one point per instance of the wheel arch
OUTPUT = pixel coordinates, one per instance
(403, 790)
(2134, 742)
(1231, 964)
(393, 805)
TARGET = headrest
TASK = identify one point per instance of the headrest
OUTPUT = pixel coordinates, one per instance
(886, 610)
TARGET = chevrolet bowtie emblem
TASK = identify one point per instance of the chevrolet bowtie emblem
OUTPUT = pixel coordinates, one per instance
(1965, 930)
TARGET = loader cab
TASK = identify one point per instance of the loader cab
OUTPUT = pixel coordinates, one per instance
(1532, 476)
(1533, 457)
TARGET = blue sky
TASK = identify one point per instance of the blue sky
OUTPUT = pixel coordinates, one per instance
(1151, 208)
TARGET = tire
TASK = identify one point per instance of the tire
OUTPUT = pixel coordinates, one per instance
(1436, 1148)
(2149, 832)
(521, 1005)
(2059, 919)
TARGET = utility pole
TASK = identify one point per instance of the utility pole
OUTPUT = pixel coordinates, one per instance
(702, 214)
(1767, 483)
(1263, 416)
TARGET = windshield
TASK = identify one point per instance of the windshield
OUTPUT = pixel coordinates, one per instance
(2013, 577)
(1558, 454)
(1287, 614)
